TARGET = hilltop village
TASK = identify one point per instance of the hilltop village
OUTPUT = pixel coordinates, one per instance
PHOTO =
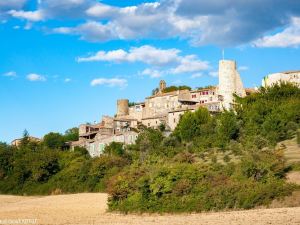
(164, 109)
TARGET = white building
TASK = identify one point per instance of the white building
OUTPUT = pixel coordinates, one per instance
(289, 76)
(229, 83)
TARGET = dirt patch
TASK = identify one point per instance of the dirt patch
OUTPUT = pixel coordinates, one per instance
(293, 177)
(91, 209)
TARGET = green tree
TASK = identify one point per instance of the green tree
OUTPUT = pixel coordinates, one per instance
(26, 138)
(54, 140)
(227, 128)
(72, 134)
(192, 124)
(114, 148)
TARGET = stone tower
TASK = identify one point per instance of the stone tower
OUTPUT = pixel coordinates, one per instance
(162, 85)
(229, 82)
(122, 107)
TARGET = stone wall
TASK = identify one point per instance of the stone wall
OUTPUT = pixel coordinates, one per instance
(122, 107)
(229, 82)
(271, 79)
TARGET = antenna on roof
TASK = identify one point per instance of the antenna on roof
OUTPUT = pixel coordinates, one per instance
(223, 53)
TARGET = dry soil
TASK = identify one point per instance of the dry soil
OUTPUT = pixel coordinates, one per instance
(90, 208)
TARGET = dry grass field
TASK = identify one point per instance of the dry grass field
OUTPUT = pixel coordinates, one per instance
(90, 208)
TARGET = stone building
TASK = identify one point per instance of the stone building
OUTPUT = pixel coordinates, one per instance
(17, 142)
(229, 83)
(289, 76)
(161, 108)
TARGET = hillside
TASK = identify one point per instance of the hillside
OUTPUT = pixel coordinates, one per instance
(239, 159)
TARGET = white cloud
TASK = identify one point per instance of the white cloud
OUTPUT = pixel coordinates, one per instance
(101, 10)
(152, 73)
(91, 31)
(146, 54)
(190, 64)
(10, 74)
(217, 22)
(33, 16)
(35, 77)
(11, 4)
(156, 57)
(67, 80)
(289, 37)
(113, 82)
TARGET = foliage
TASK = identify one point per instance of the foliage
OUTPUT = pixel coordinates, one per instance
(176, 88)
(72, 134)
(210, 162)
(54, 140)
(114, 148)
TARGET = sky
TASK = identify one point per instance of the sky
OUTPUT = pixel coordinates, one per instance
(66, 62)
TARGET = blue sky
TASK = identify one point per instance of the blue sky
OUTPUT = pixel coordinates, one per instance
(63, 63)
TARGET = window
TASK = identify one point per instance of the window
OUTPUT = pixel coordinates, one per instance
(174, 120)
(194, 96)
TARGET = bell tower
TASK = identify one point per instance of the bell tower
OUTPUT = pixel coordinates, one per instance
(162, 86)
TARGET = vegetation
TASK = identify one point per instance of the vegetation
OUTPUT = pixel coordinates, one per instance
(209, 162)
(171, 89)
(176, 88)
(205, 87)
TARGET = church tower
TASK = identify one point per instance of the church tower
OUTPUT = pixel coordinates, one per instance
(162, 86)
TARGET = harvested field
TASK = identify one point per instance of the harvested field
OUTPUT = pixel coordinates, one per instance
(90, 208)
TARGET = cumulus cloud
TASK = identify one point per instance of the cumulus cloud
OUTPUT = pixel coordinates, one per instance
(33, 16)
(217, 22)
(190, 64)
(11, 4)
(35, 77)
(91, 31)
(289, 37)
(146, 54)
(113, 82)
(169, 59)
(152, 73)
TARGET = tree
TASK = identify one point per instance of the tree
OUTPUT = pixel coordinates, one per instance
(54, 140)
(227, 128)
(72, 134)
(114, 148)
(192, 124)
(26, 138)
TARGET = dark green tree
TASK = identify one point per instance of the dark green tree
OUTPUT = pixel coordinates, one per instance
(72, 134)
(54, 140)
